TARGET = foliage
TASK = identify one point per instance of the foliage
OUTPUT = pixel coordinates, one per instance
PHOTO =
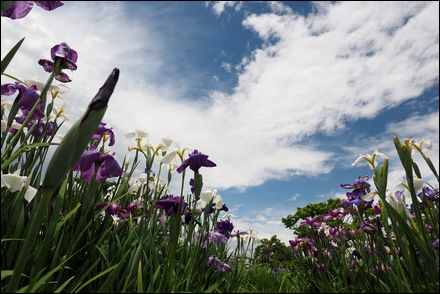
(273, 252)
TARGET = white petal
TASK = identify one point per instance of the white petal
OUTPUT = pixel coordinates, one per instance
(13, 182)
(218, 202)
(377, 153)
(30, 193)
(143, 178)
(115, 218)
(39, 85)
(206, 195)
(418, 184)
(369, 197)
(140, 134)
(130, 135)
(167, 141)
(359, 159)
(169, 157)
(200, 205)
(15, 125)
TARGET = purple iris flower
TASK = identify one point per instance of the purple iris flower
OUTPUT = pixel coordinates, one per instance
(377, 209)
(104, 129)
(27, 96)
(220, 266)
(44, 129)
(333, 231)
(116, 209)
(365, 227)
(224, 227)
(188, 217)
(101, 205)
(360, 184)
(21, 8)
(68, 57)
(170, 204)
(107, 165)
(332, 214)
(357, 254)
(360, 188)
(195, 161)
(224, 208)
(435, 244)
(430, 194)
(113, 208)
(311, 221)
(218, 238)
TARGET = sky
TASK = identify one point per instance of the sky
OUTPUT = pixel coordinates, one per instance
(283, 96)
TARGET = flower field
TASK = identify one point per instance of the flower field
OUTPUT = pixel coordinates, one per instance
(75, 219)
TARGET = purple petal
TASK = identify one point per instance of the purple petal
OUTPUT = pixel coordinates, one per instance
(9, 89)
(62, 77)
(109, 168)
(64, 51)
(49, 5)
(47, 64)
(347, 186)
(184, 165)
(28, 97)
(88, 173)
(88, 157)
(18, 10)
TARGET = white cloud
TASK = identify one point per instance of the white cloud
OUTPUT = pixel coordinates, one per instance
(227, 66)
(294, 197)
(312, 75)
(218, 7)
(265, 223)
(414, 127)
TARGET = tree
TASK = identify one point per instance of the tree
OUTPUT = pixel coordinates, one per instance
(273, 252)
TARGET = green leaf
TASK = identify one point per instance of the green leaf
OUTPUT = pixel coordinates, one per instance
(11, 53)
(61, 288)
(140, 287)
(97, 277)
(7, 273)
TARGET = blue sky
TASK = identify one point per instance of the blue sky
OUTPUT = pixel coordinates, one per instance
(283, 96)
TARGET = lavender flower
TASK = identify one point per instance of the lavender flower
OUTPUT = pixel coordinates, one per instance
(68, 58)
(195, 161)
(20, 9)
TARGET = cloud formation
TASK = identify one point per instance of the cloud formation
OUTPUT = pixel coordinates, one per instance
(312, 75)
